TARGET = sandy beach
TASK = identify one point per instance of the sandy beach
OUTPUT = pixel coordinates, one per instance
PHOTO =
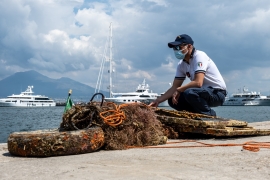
(148, 163)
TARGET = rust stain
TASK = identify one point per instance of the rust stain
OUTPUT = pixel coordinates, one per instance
(85, 136)
(84, 146)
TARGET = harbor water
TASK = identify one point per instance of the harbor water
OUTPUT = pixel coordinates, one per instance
(16, 119)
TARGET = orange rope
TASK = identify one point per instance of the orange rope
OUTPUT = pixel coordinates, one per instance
(255, 146)
(250, 145)
(115, 116)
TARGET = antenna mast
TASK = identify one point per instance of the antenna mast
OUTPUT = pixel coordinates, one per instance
(110, 60)
(110, 71)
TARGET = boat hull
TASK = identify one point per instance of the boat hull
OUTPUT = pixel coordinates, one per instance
(120, 100)
(14, 104)
(261, 102)
(145, 101)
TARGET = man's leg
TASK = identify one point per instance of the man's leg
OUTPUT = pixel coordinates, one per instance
(201, 99)
(181, 105)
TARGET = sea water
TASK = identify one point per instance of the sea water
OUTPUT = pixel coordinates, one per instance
(16, 119)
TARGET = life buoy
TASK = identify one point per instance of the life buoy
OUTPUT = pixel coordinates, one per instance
(45, 143)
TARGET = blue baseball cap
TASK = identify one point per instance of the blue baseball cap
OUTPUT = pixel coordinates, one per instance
(181, 39)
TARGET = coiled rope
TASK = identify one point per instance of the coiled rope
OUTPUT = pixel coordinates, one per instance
(249, 145)
(115, 117)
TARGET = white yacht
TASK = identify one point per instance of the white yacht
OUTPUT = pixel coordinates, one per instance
(247, 98)
(142, 94)
(27, 99)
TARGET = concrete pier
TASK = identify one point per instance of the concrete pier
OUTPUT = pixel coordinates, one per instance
(230, 162)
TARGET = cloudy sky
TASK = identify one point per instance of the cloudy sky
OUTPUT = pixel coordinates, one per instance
(67, 38)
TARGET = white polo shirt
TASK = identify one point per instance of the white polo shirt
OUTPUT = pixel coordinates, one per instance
(201, 63)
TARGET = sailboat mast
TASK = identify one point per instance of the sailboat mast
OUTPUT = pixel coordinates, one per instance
(110, 60)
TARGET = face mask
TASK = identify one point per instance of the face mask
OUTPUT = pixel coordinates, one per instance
(179, 55)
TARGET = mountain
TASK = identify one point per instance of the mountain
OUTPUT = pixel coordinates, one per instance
(43, 85)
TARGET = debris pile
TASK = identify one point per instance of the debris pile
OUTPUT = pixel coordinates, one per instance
(124, 126)
(138, 125)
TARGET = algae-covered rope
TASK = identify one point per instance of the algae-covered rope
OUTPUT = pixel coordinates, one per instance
(250, 145)
(255, 146)
(116, 116)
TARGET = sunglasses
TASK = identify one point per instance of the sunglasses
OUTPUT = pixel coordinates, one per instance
(177, 48)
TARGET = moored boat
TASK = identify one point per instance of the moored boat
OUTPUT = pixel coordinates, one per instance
(26, 99)
(142, 94)
(247, 98)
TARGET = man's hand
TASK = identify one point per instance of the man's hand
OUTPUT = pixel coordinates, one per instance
(155, 103)
(175, 97)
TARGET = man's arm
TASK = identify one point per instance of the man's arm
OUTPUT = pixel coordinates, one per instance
(196, 83)
(168, 93)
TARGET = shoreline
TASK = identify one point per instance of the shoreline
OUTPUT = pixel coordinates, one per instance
(230, 162)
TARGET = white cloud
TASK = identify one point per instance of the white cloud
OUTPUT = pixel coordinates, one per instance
(59, 38)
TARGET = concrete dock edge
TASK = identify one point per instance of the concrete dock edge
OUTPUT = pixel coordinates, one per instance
(151, 163)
